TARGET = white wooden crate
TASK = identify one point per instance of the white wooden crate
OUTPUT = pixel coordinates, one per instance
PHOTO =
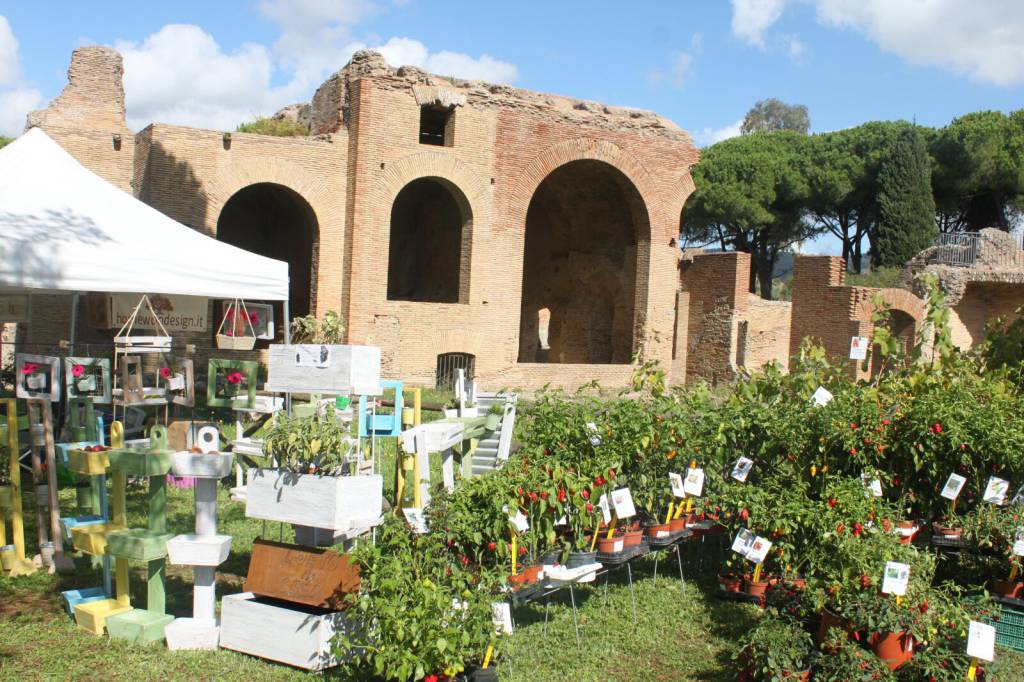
(299, 637)
(344, 370)
(198, 550)
(331, 502)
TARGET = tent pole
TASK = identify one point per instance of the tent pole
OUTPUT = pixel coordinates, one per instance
(287, 340)
(74, 323)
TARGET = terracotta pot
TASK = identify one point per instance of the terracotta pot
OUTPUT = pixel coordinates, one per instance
(756, 589)
(1008, 589)
(730, 582)
(526, 576)
(946, 531)
(905, 525)
(661, 531)
(830, 620)
(632, 538)
(677, 525)
(611, 545)
(894, 648)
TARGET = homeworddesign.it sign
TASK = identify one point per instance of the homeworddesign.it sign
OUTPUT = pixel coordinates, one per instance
(176, 313)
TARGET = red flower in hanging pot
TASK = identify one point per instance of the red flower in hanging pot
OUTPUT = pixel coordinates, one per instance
(165, 372)
(234, 378)
(77, 370)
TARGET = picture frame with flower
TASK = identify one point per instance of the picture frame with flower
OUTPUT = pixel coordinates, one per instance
(231, 383)
(38, 377)
(88, 378)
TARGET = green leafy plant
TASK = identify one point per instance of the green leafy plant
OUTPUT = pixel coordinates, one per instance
(304, 445)
(775, 650)
(329, 330)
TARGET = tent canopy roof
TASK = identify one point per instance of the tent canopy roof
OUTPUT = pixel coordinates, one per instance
(64, 228)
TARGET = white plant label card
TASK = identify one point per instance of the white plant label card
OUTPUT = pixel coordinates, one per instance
(741, 469)
(759, 549)
(176, 382)
(694, 483)
(896, 577)
(872, 486)
(307, 355)
(821, 396)
(858, 347)
(622, 500)
(678, 489)
(954, 484)
(595, 439)
(564, 521)
(501, 612)
(1018, 542)
(996, 490)
(981, 641)
(417, 521)
(743, 542)
(606, 512)
(1018, 499)
(520, 521)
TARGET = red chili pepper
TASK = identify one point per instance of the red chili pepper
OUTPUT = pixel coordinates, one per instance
(543, 496)
(561, 495)
(599, 481)
(585, 494)
(590, 508)
(831, 502)
(853, 426)
(492, 546)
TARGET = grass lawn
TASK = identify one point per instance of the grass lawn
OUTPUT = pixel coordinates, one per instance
(681, 633)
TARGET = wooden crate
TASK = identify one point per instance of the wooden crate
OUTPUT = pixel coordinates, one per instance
(137, 544)
(92, 538)
(331, 502)
(93, 615)
(202, 465)
(138, 626)
(296, 636)
(198, 550)
(138, 462)
(302, 575)
(88, 463)
(192, 633)
(84, 595)
(317, 368)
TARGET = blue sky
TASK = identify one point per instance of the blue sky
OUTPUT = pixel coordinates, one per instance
(701, 63)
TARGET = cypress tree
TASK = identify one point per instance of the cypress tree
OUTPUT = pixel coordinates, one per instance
(906, 207)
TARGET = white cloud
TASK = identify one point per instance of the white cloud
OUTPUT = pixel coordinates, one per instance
(982, 40)
(708, 136)
(751, 18)
(17, 98)
(679, 65)
(795, 48)
(407, 51)
(180, 74)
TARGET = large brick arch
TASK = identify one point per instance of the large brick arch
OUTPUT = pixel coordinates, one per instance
(313, 188)
(580, 149)
(897, 299)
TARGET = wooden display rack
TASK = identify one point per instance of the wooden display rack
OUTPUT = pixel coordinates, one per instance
(20, 565)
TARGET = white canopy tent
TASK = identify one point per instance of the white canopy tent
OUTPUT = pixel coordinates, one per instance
(63, 228)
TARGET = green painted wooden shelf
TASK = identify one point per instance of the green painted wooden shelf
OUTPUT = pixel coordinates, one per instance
(138, 626)
(138, 544)
(135, 462)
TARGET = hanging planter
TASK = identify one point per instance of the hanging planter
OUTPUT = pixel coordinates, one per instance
(236, 331)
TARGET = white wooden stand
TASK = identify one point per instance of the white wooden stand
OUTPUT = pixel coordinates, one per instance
(204, 551)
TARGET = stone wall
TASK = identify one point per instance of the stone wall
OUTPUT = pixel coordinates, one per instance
(717, 288)
(764, 334)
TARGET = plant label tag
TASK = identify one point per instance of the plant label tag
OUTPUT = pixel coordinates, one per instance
(176, 383)
(595, 439)
(896, 577)
(310, 355)
(1018, 542)
(1018, 499)
(564, 521)
(759, 549)
(606, 513)
(622, 500)
(678, 489)
(694, 483)
(872, 486)
(954, 484)
(981, 641)
(821, 397)
(995, 491)
(416, 520)
(858, 347)
(520, 521)
(744, 540)
(502, 616)
(741, 469)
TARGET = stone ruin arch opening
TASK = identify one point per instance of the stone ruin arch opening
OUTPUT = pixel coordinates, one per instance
(429, 244)
(587, 231)
(277, 222)
(903, 326)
